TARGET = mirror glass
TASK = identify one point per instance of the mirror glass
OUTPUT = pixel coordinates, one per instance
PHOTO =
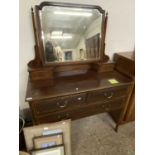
(70, 34)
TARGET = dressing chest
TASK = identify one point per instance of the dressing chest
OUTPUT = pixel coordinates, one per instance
(71, 77)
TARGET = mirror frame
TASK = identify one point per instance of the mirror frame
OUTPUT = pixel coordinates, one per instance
(39, 49)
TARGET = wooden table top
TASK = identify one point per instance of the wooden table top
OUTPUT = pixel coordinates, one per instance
(62, 86)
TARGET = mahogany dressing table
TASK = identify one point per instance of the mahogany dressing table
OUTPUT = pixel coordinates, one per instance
(71, 76)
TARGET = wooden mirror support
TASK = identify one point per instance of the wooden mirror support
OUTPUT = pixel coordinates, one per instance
(40, 70)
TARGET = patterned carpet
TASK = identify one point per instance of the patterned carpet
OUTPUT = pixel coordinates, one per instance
(95, 136)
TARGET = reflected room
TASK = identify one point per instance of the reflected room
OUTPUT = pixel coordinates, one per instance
(70, 34)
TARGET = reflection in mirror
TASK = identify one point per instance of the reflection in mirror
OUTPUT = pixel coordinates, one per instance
(70, 34)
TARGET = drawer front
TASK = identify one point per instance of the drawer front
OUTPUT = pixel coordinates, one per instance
(106, 95)
(59, 104)
(82, 112)
(109, 106)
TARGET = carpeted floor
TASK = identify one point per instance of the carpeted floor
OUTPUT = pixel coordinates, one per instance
(95, 136)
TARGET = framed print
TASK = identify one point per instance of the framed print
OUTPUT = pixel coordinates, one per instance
(68, 55)
(49, 129)
(57, 150)
(48, 141)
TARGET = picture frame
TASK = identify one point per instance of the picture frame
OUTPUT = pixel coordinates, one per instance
(56, 150)
(68, 55)
(48, 141)
(48, 129)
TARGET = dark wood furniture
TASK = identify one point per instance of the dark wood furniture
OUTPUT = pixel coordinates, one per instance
(74, 89)
(125, 64)
(77, 96)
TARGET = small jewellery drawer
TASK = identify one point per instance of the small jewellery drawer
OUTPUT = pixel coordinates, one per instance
(108, 94)
(60, 103)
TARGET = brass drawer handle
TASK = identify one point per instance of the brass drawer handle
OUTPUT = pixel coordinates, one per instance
(76, 89)
(79, 98)
(103, 106)
(38, 112)
(63, 118)
(62, 105)
(106, 107)
(109, 96)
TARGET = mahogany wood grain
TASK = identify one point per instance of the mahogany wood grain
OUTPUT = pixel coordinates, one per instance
(84, 111)
(76, 89)
(125, 64)
(103, 67)
(43, 89)
(130, 112)
(47, 98)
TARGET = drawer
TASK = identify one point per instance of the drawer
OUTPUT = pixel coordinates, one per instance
(103, 107)
(59, 104)
(82, 112)
(54, 117)
(106, 94)
(109, 106)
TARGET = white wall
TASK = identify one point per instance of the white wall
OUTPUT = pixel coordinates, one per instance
(94, 28)
(80, 45)
(120, 33)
